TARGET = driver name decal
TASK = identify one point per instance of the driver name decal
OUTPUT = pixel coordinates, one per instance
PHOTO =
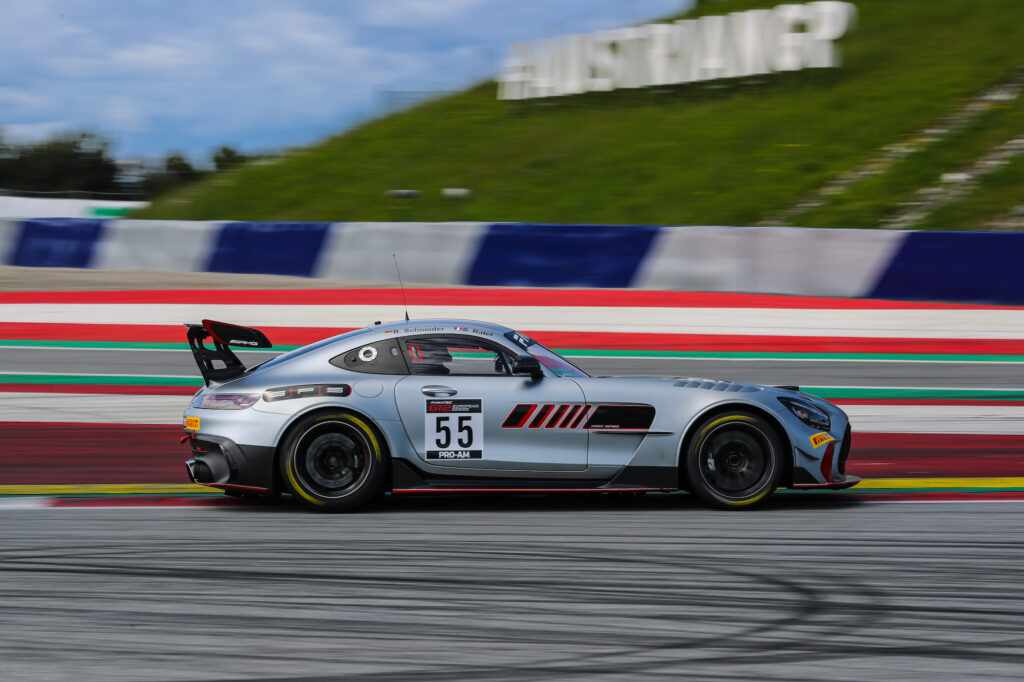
(454, 429)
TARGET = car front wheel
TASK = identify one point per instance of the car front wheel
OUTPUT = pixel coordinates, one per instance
(734, 460)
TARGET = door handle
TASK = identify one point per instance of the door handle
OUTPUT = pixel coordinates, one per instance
(438, 390)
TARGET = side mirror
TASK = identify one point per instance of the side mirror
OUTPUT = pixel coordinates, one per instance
(527, 365)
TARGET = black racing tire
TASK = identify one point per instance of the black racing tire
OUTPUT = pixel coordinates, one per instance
(334, 462)
(734, 460)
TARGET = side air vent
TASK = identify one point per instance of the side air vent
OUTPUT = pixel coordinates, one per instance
(723, 386)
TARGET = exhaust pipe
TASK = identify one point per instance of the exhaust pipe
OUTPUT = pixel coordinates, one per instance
(198, 472)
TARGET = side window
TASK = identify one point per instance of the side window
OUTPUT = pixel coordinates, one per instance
(454, 355)
(382, 357)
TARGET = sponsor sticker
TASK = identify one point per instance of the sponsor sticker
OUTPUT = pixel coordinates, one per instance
(518, 339)
(454, 429)
(192, 423)
(819, 439)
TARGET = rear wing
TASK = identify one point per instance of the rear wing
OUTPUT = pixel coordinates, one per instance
(219, 364)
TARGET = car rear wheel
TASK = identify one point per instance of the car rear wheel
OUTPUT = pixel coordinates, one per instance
(333, 462)
(734, 460)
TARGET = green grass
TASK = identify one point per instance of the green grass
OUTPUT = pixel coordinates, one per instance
(877, 198)
(688, 155)
(996, 194)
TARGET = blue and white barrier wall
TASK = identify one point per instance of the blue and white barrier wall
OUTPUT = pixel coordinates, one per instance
(952, 266)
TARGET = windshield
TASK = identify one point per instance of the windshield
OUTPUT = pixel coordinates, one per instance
(550, 359)
(555, 362)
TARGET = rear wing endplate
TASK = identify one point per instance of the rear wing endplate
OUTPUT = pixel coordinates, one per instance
(220, 364)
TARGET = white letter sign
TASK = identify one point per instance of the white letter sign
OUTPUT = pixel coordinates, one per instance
(790, 37)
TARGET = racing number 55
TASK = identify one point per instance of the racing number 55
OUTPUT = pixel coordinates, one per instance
(444, 438)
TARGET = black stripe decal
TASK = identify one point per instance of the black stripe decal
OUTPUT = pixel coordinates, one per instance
(621, 417)
(541, 416)
(568, 417)
(517, 416)
(556, 416)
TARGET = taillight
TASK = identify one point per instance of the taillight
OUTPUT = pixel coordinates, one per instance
(225, 401)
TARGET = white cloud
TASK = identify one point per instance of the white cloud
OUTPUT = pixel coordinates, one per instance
(22, 99)
(416, 12)
(34, 132)
(123, 114)
(190, 74)
(156, 56)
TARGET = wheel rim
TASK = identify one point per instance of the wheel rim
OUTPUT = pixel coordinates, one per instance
(736, 460)
(332, 459)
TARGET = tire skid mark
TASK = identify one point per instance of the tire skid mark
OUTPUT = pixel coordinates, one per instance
(680, 587)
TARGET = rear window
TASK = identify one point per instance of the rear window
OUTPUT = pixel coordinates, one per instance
(382, 357)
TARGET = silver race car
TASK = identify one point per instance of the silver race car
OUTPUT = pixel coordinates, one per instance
(460, 406)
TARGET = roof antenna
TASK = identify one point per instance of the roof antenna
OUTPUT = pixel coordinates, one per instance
(405, 304)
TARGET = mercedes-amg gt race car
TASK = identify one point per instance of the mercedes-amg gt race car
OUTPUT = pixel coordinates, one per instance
(456, 405)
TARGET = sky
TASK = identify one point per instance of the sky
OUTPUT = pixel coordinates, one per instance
(161, 76)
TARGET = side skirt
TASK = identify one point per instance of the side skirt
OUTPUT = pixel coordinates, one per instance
(406, 478)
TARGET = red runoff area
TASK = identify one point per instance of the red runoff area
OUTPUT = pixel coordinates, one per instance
(37, 453)
(55, 454)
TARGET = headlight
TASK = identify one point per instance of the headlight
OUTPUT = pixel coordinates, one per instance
(225, 401)
(808, 413)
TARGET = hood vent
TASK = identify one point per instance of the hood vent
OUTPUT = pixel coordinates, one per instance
(723, 386)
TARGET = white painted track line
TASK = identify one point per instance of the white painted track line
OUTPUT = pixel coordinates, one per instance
(946, 324)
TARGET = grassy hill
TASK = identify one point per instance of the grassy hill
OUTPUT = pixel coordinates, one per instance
(689, 155)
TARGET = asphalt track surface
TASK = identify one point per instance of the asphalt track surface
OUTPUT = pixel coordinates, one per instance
(809, 587)
(515, 589)
(800, 371)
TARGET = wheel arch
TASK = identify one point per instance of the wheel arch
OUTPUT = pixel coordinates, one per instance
(722, 408)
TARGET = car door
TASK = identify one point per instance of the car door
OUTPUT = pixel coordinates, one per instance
(463, 410)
